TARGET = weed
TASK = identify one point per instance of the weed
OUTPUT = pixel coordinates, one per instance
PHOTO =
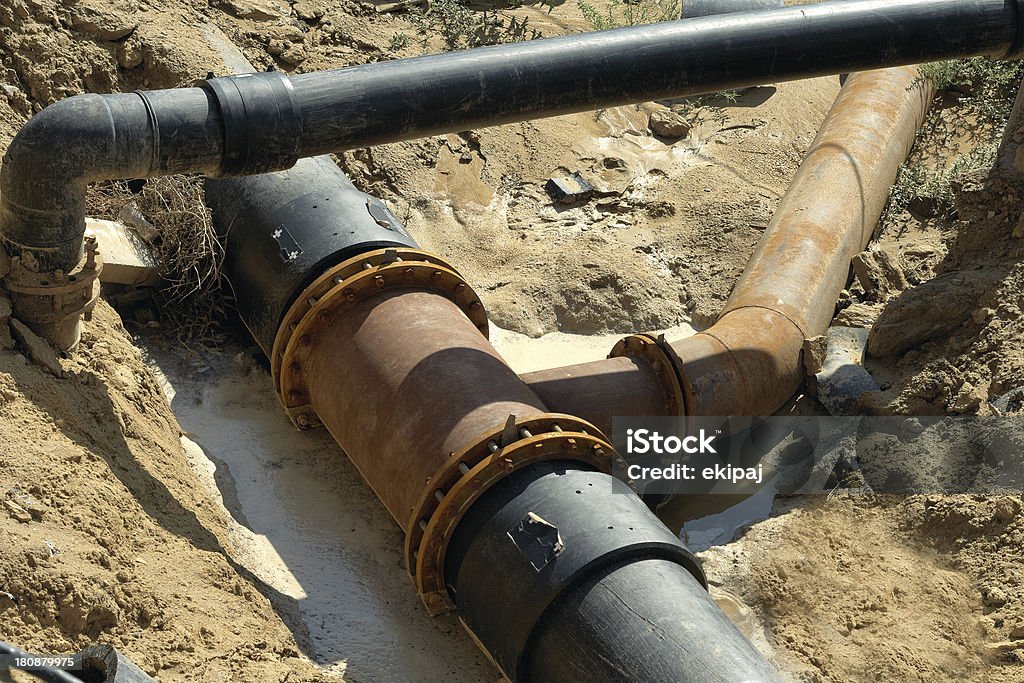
(987, 86)
(629, 12)
(462, 28)
(399, 41)
(188, 253)
(933, 192)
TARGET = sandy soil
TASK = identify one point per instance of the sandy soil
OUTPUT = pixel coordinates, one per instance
(116, 528)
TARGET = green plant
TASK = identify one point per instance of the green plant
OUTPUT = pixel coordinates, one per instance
(932, 192)
(462, 28)
(398, 42)
(629, 12)
(988, 86)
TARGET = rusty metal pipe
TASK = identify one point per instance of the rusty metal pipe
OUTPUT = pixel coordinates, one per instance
(407, 377)
(748, 362)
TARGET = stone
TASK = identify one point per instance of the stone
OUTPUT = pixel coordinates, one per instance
(18, 513)
(259, 10)
(669, 124)
(994, 596)
(858, 315)
(569, 189)
(6, 340)
(294, 55)
(915, 317)
(880, 271)
(308, 11)
(1018, 230)
(814, 354)
(129, 54)
(127, 259)
(103, 21)
(38, 349)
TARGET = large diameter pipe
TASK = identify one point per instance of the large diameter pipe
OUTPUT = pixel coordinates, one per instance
(386, 350)
(254, 123)
(396, 100)
(748, 362)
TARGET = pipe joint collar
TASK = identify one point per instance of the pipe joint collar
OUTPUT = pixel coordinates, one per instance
(469, 473)
(543, 533)
(657, 352)
(262, 123)
(338, 289)
(55, 300)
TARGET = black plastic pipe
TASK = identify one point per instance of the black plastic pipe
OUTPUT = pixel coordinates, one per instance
(620, 599)
(262, 122)
(282, 230)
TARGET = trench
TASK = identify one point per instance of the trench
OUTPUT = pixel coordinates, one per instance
(470, 459)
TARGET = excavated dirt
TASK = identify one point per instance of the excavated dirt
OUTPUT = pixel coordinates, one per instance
(110, 530)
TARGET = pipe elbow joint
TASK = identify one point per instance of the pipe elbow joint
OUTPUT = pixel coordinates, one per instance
(46, 169)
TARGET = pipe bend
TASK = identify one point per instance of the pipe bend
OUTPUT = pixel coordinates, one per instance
(51, 160)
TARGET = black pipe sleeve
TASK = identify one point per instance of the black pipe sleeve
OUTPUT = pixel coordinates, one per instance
(283, 230)
(548, 549)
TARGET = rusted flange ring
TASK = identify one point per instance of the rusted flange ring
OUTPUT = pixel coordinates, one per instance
(661, 356)
(54, 297)
(469, 473)
(341, 287)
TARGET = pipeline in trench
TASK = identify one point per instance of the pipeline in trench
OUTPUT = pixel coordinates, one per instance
(499, 482)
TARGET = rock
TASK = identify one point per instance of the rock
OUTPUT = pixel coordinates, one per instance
(129, 54)
(814, 354)
(880, 271)
(930, 310)
(858, 315)
(1017, 633)
(308, 11)
(28, 503)
(127, 259)
(981, 315)
(294, 55)
(669, 124)
(39, 351)
(994, 596)
(569, 189)
(966, 401)
(6, 340)
(258, 10)
(17, 512)
(1018, 230)
(103, 21)
(5, 309)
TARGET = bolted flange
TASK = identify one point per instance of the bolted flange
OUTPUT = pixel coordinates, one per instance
(52, 303)
(467, 474)
(340, 288)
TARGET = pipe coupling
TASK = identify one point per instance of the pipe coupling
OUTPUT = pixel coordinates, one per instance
(467, 474)
(657, 352)
(262, 123)
(339, 288)
(56, 297)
